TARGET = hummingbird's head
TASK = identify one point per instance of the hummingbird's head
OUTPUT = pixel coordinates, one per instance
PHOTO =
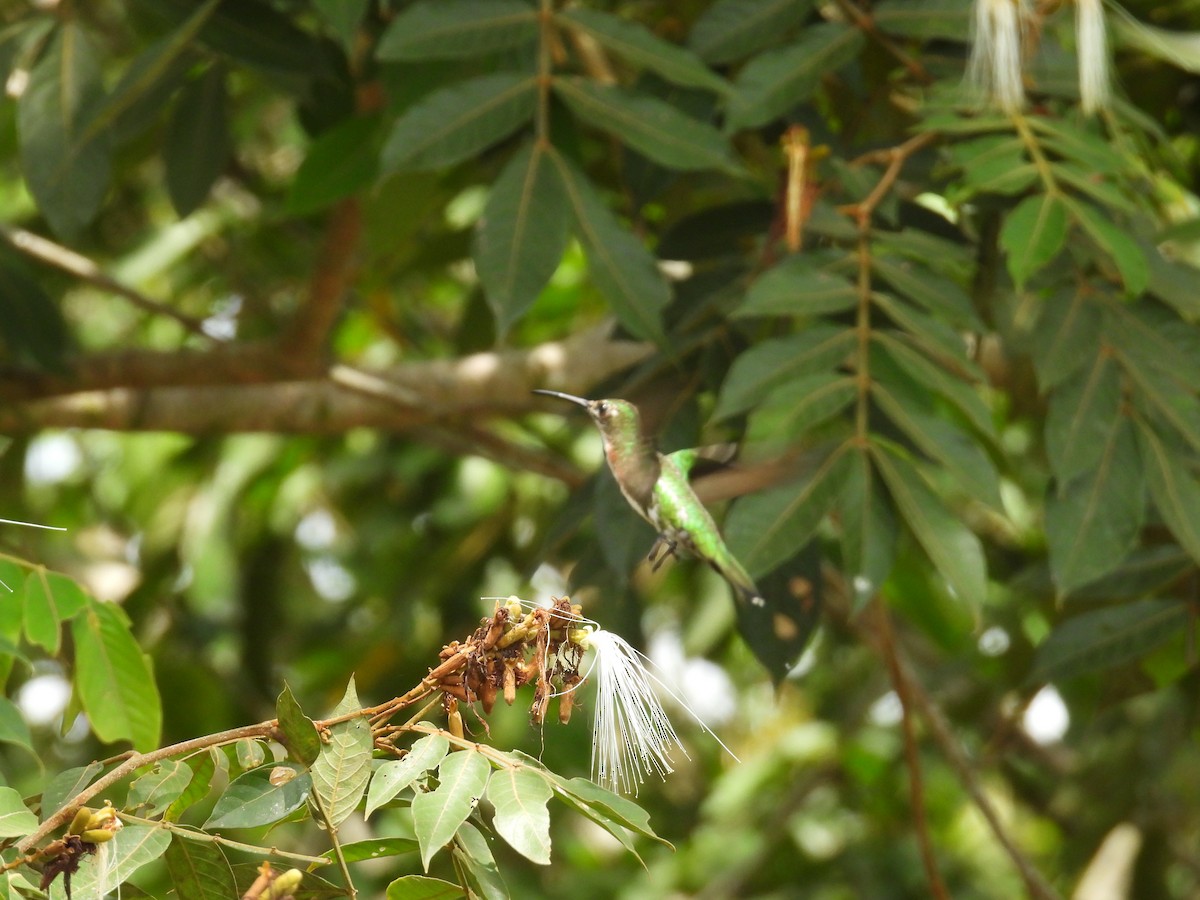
(612, 417)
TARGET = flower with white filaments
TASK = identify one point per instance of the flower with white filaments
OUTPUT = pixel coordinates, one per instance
(631, 734)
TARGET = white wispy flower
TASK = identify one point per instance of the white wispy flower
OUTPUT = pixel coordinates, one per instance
(631, 734)
(995, 67)
(1092, 46)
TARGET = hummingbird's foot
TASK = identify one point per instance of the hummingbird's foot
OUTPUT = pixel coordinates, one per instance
(659, 552)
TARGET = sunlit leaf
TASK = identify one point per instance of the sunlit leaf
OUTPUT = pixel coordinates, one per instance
(113, 678)
(437, 814)
(252, 800)
(65, 785)
(50, 600)
(343, 766)
(203, 766)
(135, 846)
(158, 788)
(520, 797)
(300, 734)
(472, 854)
(377, 848)
(1107, 638)
(394, 776)
(456, 122)
(422, 887)
(15, 818)
(522, 235)
(453, 29)
(619, 809)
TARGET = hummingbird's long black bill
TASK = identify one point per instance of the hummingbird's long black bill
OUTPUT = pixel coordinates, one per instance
(579, 401)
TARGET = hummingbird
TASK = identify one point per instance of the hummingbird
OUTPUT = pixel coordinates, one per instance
(656, 486)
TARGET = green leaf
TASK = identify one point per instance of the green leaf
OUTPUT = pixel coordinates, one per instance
(196, 146)
(936, 293)
(797, 407)
(422, 887)
(1094, 520)
(456, 29)
(798, 286)
(66, 171)
(343, 766)
(65, 785)
(619, 809)
(199, 870)
(1145, 571)
(203, 766)
(924, 19)
(472, 854)
(654, 128)
(148, 82)
(778, 80)
(31, 324)
(299, 733)
(251, 800)
(1172, 399)
(618, 262)
(394, 776)
(1106, 638)
(1115, 245)
(343, 161)
(639, 46)
(868, 530)
(159, 788)
(522, 235)
(437, 814)
(113, 678)
(520, 797)
(1066, 323)
(778, 360)
(765, 529)
(936, 379)
(376, 848)
(730, 30)
(1080, 418)
(1091, 150)
(344, 17)
(1033, 235)
(458, 122)
(138, 845)
(952, 548)
(15, 818)
(1174, 488)
(958, 453)
(929, 336)
(250, 753)
(50, 599)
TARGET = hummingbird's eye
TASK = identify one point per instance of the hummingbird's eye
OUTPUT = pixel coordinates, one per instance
(602, 408)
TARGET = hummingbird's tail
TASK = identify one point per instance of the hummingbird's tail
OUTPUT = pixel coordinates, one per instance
(744, 588)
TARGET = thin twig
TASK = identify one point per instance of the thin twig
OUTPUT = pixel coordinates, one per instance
(55, 255)
(916, 786)
(337, 844)
(192, 834)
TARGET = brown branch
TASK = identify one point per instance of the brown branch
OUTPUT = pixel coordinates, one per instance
(241, 388)
(912, 759)
(56, 256)
(305, 338)
(895, 157)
